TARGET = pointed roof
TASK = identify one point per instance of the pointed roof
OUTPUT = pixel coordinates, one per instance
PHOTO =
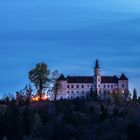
(123, 77)
(61, 78)
(97, 64)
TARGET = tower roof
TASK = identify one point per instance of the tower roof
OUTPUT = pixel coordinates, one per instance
(97, 64)
(62, 77)
(123, 77)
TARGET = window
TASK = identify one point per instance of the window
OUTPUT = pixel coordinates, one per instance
(68, 86)
(123, 86)
(104, 86)
(111, 86)
(82, 86)
(71, 86)
(77, 91)
(68, 91)
(99, 86)
(108, 86)
(77, 86)
(72, 92)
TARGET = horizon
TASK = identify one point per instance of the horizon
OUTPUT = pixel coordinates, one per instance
(69, 36)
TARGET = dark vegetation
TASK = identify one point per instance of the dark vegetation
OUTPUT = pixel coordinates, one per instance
(86, 118)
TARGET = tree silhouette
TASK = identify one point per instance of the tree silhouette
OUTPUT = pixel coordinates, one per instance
(39, 76)
(55, 85)
(135, 95)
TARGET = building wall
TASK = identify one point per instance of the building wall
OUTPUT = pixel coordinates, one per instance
(73, 90)
(123, 86)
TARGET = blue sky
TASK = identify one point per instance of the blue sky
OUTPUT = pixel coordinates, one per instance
(68, 35)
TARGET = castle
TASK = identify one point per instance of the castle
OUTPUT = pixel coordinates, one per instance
(76, 86)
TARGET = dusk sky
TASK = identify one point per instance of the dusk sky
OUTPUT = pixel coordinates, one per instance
(68, 35)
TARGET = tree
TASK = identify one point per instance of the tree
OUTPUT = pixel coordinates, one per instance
(39, 76)
(36, 125)
(135, 95)
(118, 98)
(104, 113)
(55, 85)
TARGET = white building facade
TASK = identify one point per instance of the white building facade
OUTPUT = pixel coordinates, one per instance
(76, 86)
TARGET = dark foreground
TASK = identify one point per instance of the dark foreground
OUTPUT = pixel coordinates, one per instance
(79, 119)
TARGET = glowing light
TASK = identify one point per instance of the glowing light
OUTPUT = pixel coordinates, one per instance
(37, 98)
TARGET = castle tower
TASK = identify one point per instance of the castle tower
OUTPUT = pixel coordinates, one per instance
(97, 77)
(123, 84)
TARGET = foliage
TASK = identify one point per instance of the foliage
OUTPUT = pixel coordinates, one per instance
(39, 76)
(77, 119)
(55, 85)
(135, 95)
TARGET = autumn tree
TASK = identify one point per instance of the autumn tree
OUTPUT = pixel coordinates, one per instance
(39, 76)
